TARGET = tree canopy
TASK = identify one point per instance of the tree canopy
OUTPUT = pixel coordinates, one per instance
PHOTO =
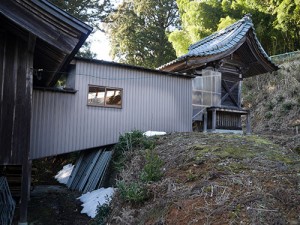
(138, 33)
(277, 22)
(147, 32)
(92, 12)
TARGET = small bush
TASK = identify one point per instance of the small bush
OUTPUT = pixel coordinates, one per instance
(270, 105)
(297, 149)
(268, 115)
(287, 106)
(132, 192)
(191, 176)
(102, 214)
(279, 98)
(152, 169)
(133, 140)
(129, 142)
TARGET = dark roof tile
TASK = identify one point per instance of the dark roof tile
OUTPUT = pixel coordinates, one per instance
(221, 41)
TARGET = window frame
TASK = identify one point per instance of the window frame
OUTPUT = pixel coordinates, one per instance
(105, 88)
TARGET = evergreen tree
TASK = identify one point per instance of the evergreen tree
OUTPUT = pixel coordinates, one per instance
(277, 22)
(138, 33)
(92, 12)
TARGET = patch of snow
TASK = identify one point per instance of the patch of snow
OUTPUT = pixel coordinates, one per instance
(63, 175)
(92, 199)
(154, 133)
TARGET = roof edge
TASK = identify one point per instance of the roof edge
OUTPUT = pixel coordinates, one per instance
(56, 11)
(111, 63)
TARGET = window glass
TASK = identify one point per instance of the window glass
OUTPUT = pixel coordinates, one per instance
(105, 96)
(96, 95)
(113, 97)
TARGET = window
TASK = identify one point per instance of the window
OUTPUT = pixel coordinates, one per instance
(105, 96)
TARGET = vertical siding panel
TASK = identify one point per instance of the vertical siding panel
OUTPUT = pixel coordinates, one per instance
(63, 122)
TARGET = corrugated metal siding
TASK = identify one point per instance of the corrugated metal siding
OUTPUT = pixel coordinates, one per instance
(64, 123)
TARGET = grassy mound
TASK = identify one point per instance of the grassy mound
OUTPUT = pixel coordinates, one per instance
(214, 179)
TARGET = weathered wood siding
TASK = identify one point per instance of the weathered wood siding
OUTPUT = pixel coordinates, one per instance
(230, 80)
(151, 101)
(15, 98)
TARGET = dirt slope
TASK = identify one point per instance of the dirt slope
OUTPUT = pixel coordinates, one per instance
(216, 179)
(274, 99)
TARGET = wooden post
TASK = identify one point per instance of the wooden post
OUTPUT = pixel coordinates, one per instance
(25, 192)
(214, 119)
(26, 166)
(248, 124)
(240, 93)
(205, 121)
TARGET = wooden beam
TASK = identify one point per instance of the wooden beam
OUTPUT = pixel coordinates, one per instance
(229, 92)
(26, 164)
(205, 121)
(214, 119)
(34, 21)
(240, 93)
(248, 124)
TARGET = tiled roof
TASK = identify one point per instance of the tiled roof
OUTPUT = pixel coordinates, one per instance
(221, 41)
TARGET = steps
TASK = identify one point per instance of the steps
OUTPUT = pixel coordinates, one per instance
(13, 175)
(7, 204)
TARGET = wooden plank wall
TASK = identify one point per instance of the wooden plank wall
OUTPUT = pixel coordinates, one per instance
(15, 96)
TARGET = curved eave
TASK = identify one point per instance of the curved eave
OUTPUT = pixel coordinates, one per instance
(196, 60)
(261, 64)
(216, 43)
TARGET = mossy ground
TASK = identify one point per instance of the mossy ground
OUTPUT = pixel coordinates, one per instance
(207, 179)
(219, 179)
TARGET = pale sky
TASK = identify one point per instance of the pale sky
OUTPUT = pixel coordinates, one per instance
(100, 45)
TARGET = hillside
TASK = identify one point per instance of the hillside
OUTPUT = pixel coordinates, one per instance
(274, 99)
(203, 178)
(210, 179)
(225, 179)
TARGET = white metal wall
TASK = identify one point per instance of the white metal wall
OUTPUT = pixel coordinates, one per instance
(64, 123)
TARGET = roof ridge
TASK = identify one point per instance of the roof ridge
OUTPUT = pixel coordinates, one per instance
(246, 18)
(225, 40)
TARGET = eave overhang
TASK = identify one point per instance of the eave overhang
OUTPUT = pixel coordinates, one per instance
(59, 35)
(239, 38)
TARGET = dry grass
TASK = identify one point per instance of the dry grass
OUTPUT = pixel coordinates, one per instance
(218, 179)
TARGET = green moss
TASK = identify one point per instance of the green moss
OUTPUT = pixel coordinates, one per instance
(236, 152)
(236, 167)
(240, 147)
(258, 140)
(202, 150)
(276, 155)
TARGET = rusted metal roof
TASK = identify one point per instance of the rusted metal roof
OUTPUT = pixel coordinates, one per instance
(223, 43)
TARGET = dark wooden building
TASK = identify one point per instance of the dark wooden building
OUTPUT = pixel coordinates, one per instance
(221, 61)
(35, 36)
